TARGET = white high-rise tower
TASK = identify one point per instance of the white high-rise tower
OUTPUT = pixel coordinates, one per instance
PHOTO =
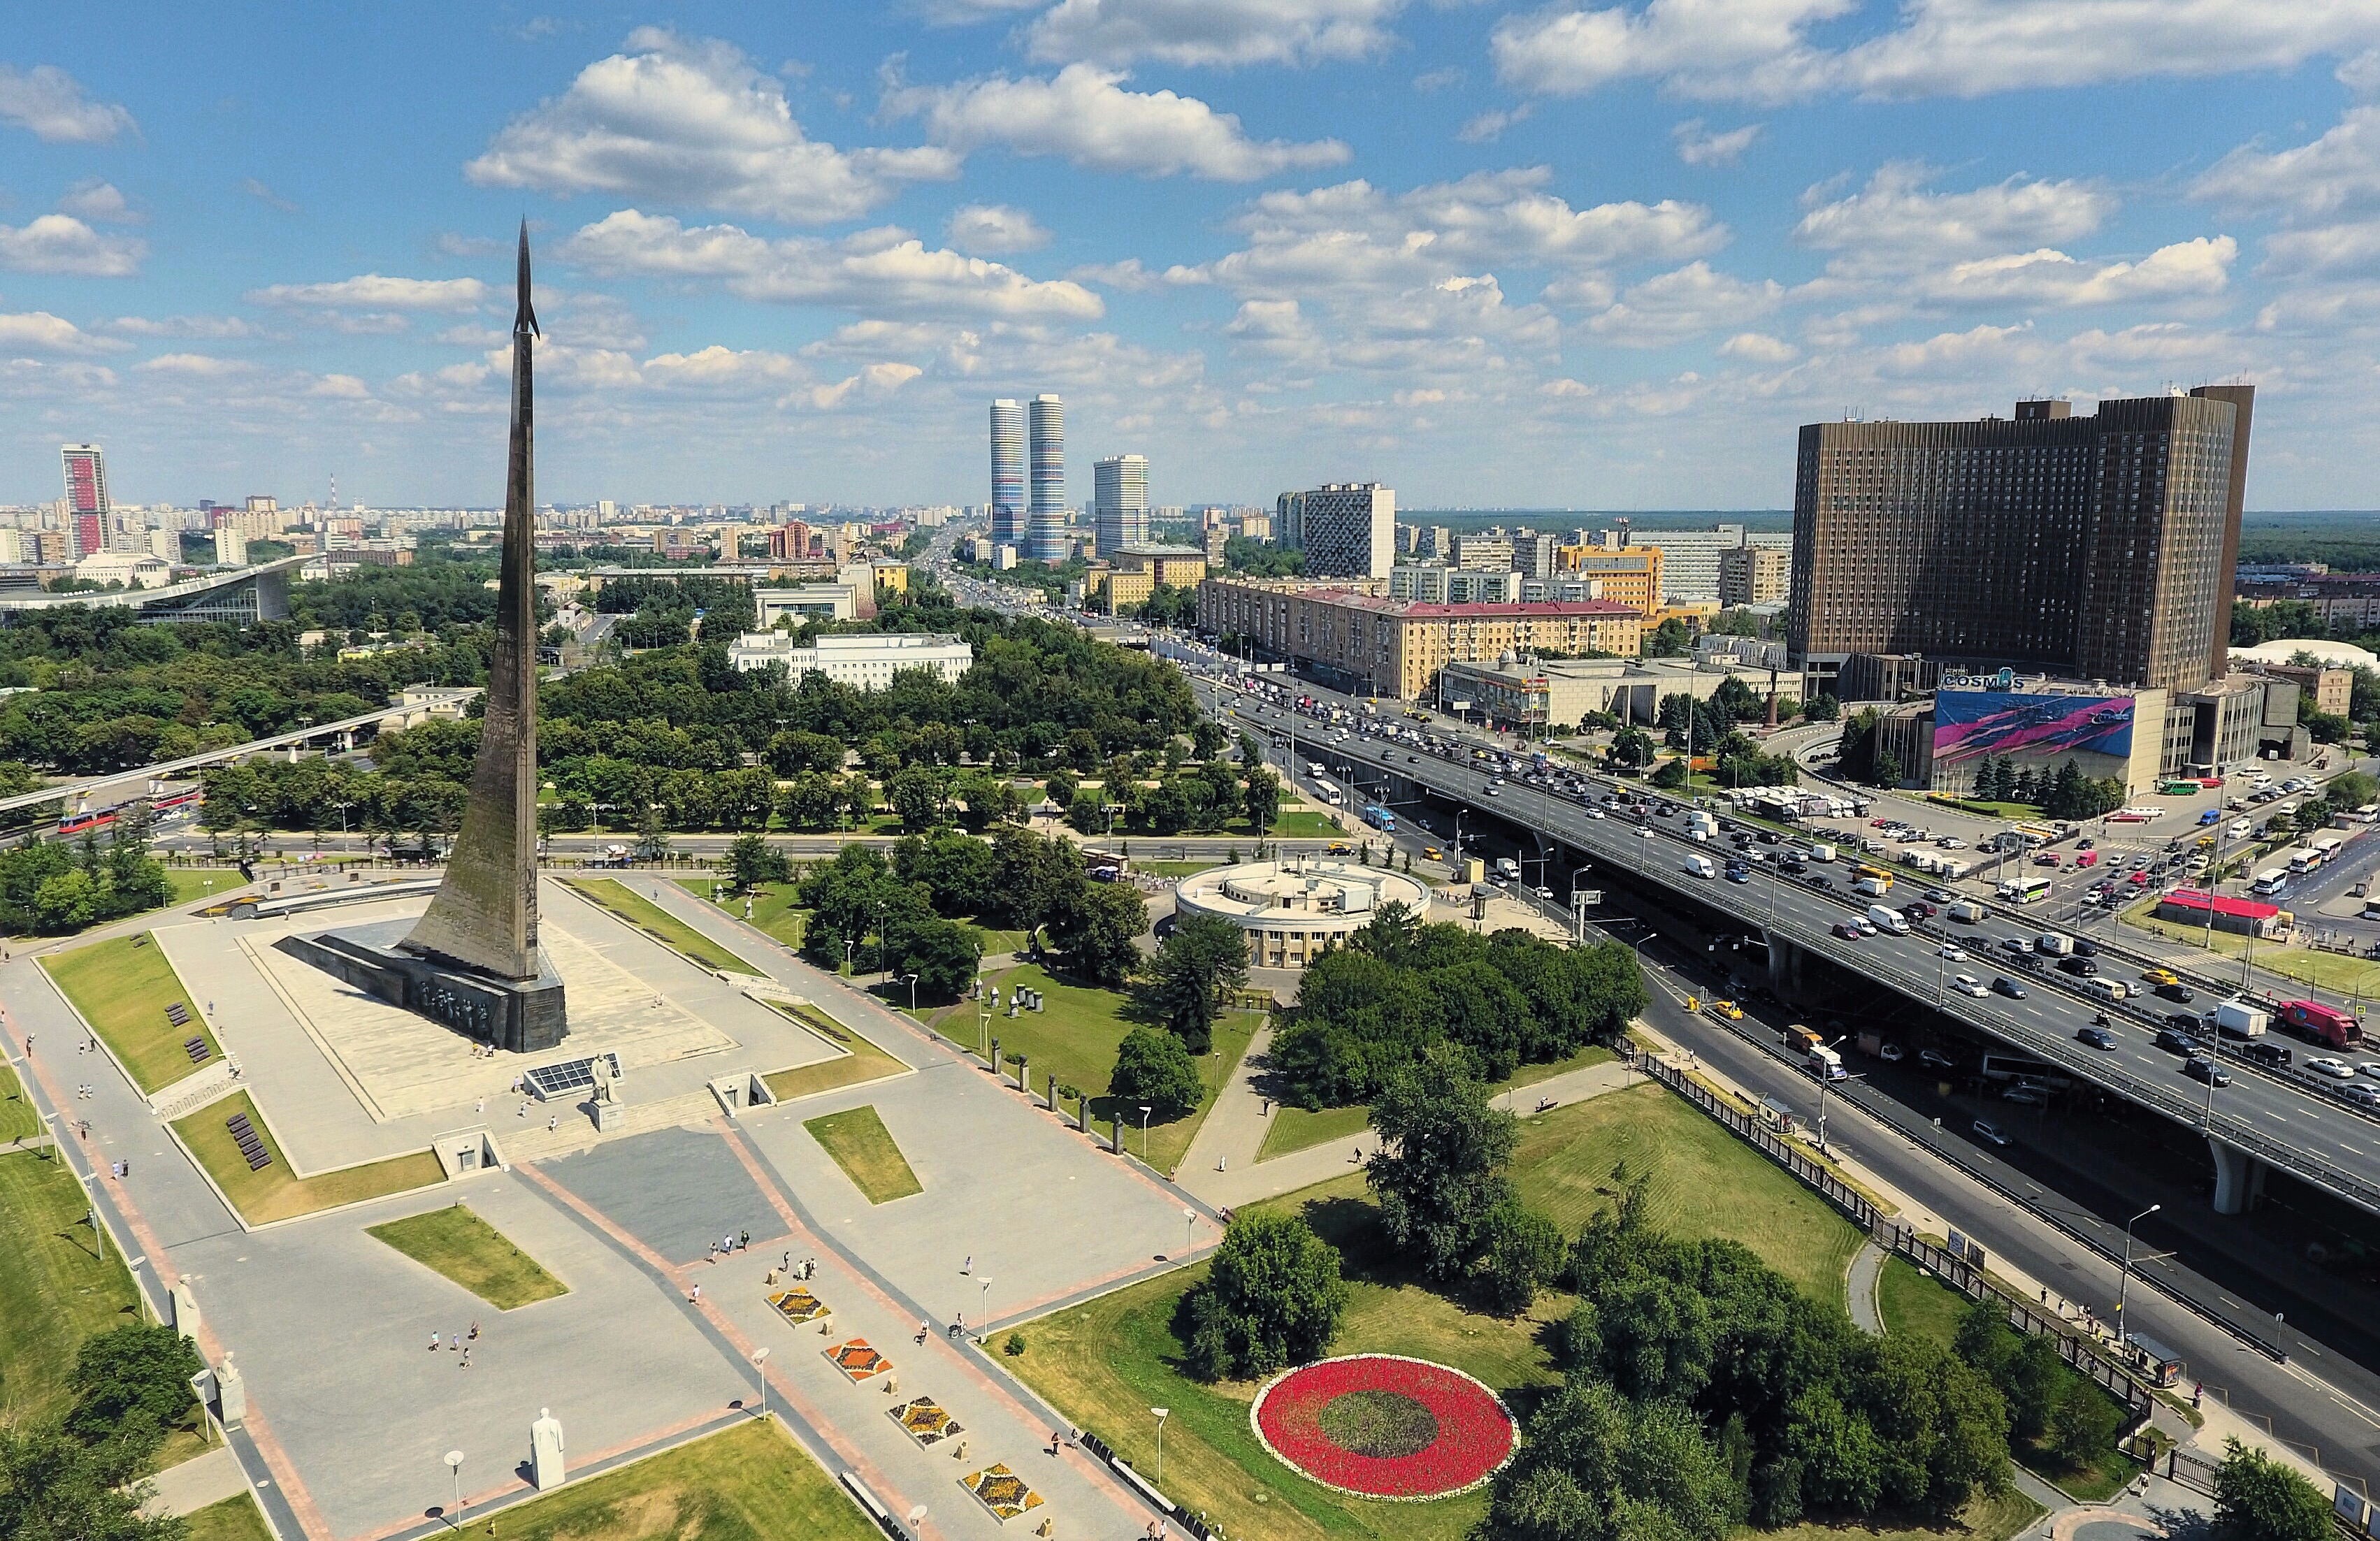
(1007, 473)
(1120, 501)
(1045, 535)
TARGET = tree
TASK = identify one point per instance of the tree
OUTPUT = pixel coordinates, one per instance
(2260, 1499)
(1887, 770)
(1440, 1173)
(1671, 774)
(129, 1371)
(1097, 925)
(1260, 801)
(1205, 959)
(2083, 1426)
(1520, 1250)
(1823, 708)
(2352, 789)
(753, 861)
(1631, 746)
(1272, 1298)
(53, 1487)
(943, 954)
(1669, 639)
(915, 795)
(1153, 1068)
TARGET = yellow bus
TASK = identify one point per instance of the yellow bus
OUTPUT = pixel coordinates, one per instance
(1871, 880)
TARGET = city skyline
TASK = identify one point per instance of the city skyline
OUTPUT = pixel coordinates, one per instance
(801, 273)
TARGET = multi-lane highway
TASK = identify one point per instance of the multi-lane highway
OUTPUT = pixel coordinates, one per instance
(2283, 1120)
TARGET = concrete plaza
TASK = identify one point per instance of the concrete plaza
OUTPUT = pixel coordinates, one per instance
(350, 1411)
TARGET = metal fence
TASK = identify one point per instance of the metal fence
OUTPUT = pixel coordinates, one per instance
(1757, 1134)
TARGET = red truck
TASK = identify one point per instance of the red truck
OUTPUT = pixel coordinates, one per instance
(2316, 1023)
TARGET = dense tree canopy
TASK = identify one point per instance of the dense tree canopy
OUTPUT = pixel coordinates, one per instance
(1272, 1298)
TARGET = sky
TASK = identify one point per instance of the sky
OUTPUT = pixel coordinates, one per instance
(1491, 254)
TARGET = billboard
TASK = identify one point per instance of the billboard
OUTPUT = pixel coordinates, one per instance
(1970, 724)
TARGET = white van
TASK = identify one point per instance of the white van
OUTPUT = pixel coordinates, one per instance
(1884, 918)
(1699, 866)
(2106, 988)
(1966, 912)
(1822, 852)
(2054, 944)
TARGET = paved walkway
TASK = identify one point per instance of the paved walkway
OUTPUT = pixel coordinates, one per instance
(1866, 1269)
(196, 1483)
(1234, 1127)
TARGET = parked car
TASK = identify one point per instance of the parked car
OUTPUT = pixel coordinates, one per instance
(2009, 987)
(1889, 1053)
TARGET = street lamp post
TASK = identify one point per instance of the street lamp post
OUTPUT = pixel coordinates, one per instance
(1160, 1412)
(760, 1359)
(911, 980)
(1144, 1111)
(983, 1313)
(1189, 1228)
(2125, 1279)
(454, 1465)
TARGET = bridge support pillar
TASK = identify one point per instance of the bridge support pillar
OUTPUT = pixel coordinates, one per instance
(2238, 1178)
(1785, 961)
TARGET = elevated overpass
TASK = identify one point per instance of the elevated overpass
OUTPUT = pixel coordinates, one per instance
(2263, 1119)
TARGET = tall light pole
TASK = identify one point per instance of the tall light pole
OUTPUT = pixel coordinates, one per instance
(1144, 1130)
(1189, 1228)
(911, 980)
(1160, 1412)
(2124, 1280)
(454, 1465)
(983, 1314)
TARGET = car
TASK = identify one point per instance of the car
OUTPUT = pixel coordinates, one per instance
(1643, 832)
(1967, 984)
(2026, 1093)
(1889, 1053)
(1595, 813)
(2085, 948)
(2178, 991)
(1951, 951)
(1819, 879)
(1412, 760)
(2159, 976)
(2200, 1068)
(2139, 880)
(1340, 848)
(2175, 1041)
(2362, 1096)
(2338, 1069)
(2021, 946)
(1846, 930)
(2097, 1037)
(2272, 1056)
(1918, 909)
(2371, 1068)
(1493, 791)
(1739, 874)
(1866, 927)
(1726, 1009)
(2081, 968)
(1989, 1132)
(1432, 852)
(2009, 987)
(2046, 858)
(1940, 896)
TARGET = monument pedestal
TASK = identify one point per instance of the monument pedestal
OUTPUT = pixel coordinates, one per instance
(523, 1016)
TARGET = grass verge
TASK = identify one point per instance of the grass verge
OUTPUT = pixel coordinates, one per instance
(775, 910)
(466, 1249)
(748, 1482)
(122, 987)
(659, 924)
(1910, 1302)
(1074, 1037)
(1297, 1128)
(863, 1148)
(234, 1519)
(861, 1061)
(2331, 971)
(55, 1287)
(18, 1120)
(276, 1193)
(1119, 1351)
(1987, 1519)
(201, 883)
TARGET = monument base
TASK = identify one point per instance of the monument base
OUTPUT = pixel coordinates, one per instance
(525, 1016)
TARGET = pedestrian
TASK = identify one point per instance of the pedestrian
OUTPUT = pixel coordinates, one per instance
(1357, 1158)
(747, 1241)
(967, 1267)
(921, 1332)
(483, 1107)
(454, 1343)
(788, 1264)
(695, 1297)
(475, 1332)
(466, 1359)
(28, 1046)
(1053, 1443)
(553, 1122)
(434, 1342)
(524, 1108)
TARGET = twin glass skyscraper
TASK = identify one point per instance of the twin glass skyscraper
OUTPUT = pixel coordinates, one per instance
(1038, 528)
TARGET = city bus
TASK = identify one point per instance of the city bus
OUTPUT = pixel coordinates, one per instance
(1871, 880)
(2369, 813)
(2327, 848)
(2269, 882)
(2025, 890)
(1380, 818)
(1328, 794)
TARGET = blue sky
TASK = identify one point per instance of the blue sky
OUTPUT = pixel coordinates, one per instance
(1548, 255)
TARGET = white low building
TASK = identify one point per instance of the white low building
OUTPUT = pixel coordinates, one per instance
(1293, 911)
(865, 660)
(132, 569)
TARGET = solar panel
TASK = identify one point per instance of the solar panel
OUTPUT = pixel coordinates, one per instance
(570, 1075)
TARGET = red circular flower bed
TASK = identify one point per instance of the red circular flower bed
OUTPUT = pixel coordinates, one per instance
(1385, 1428)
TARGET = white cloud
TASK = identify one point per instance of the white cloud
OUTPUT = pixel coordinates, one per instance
(1489, 126)
(91, 199)
(980, 228)
(375, 289)
(1679, 304)
(1760, 50)
(61, 243)
(1084, 116)
(1211, 32)
(884, 271)
(2195, 267)
(194, 366)
(184, 326)
(691, 122)
(1698, 146)
(2339, 173)
(266, 196)
(51, 103)
(2328, 250)
(49, 334)
(1893, 224)
(1758, 347)
(450, 244)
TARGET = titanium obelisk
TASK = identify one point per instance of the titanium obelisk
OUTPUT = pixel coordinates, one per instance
(472, 960)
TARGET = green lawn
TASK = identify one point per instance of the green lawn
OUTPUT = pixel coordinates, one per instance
(863, 1148)
(201, 883)
(466, 1249)
(1912, 1301)
(1987, 1519)
(276, 1193)
(1297, 1128)
(122, 987)
(748, 1482)
(17, 1118)
(775, 911)
(659, 925)
(861, 1061)
(1119, 1351)
(1075, 1037)
(55, 1290)
(1296, 824)
(234, 1519)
